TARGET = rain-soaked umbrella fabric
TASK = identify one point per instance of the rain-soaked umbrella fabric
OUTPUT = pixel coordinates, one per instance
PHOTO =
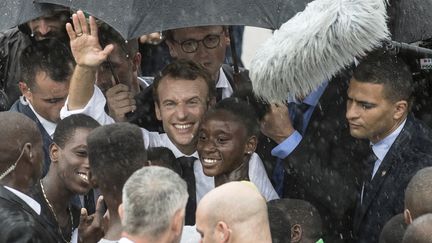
(16, 12)
(410, 20)
(133, 18)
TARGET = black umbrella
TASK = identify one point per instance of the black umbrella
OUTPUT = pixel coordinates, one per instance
(410, 20)
(16, 12)
(133, 18)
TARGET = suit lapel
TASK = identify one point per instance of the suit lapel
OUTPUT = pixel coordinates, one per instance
(390, 161)
(9, 196)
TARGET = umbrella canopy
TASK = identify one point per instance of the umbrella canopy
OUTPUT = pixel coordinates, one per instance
(16, 12)
(410, 20)
(133, 18)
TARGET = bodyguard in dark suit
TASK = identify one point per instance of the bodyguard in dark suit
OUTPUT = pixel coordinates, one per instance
(379, 100)
(20, 168)
(46, 67)
(321, 166)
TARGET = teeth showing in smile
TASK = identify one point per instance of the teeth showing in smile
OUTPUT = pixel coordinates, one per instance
(210, 161)
(83, 176)
(182, 126)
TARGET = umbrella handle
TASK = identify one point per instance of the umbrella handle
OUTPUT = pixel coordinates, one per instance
(400, 47)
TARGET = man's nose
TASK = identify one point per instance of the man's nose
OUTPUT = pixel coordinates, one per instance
(181, 111)
(351, 111)
(43, 27)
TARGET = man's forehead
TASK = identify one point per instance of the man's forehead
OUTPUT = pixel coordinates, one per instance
(196, 32)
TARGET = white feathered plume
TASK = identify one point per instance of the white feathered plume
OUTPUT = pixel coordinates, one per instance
(315, 44)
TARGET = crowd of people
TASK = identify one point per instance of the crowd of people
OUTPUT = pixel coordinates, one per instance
(90, 153)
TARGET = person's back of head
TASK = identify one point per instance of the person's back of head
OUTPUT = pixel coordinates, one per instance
(233, 212)
(116, 151)
(393, 231)
(154, 201)
(420, 231)
(280, 227)
(163, 156)
(418, 195)
(20, 151)
(306, 225)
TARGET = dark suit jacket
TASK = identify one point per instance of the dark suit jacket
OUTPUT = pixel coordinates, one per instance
(19, 223)
(324, 169)
(25, 109)
(411, 151)
(145, 115)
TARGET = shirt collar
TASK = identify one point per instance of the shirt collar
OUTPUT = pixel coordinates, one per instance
(30, 201)
(177, 153)
(49, 126)
(381, 148)
(223, 80)
(125, 240)
(313, 97)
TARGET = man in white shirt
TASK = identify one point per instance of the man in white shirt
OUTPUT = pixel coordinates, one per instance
(46, 68)
(153, 208)
(20, 168)
(378, 109)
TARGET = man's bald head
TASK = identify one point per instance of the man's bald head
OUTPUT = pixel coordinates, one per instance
(418, 194)
(21, 140)
(240, 207)
(420, 231)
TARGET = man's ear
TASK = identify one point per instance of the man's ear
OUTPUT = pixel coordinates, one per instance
(25, 90)
(401, 108)
(222, 231)
(136, 61)
(296, 233)
(251, 144)
(172, 48)
(177, 222)
(157, 111)
(121, 211)
(407, 216)
(54, 151)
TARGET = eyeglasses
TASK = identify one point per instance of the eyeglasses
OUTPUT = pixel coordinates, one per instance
(209, 42)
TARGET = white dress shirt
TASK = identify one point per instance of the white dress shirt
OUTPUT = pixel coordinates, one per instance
(47, 125)
(33, 204)
(223, 83)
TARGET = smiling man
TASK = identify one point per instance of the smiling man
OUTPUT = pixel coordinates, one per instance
(46, 67)
(183, 93)
(378, 109)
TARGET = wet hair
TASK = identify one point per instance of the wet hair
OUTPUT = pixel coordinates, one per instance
(50, 56)
(388, 70)
(302, 213)
(108, 35)
(162, 156)
(115, 152)
(418, 194)
(66, 128)
(393, 231)
(242, 111)
(420, 230)
(280, 227)
(186, 70)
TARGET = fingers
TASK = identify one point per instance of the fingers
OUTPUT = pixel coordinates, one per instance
(83, 216)
(70, 31)
(99, 211)
(83, 23)
(76, 24)
(93, 27)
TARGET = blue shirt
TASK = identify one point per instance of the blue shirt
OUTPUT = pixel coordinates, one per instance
(289, 144)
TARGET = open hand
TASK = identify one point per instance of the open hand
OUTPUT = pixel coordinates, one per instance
(84, 41)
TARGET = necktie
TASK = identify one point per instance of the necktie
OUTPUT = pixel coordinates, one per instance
(297, 111)
(186, 163)
(219, 94)
(369, 163)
